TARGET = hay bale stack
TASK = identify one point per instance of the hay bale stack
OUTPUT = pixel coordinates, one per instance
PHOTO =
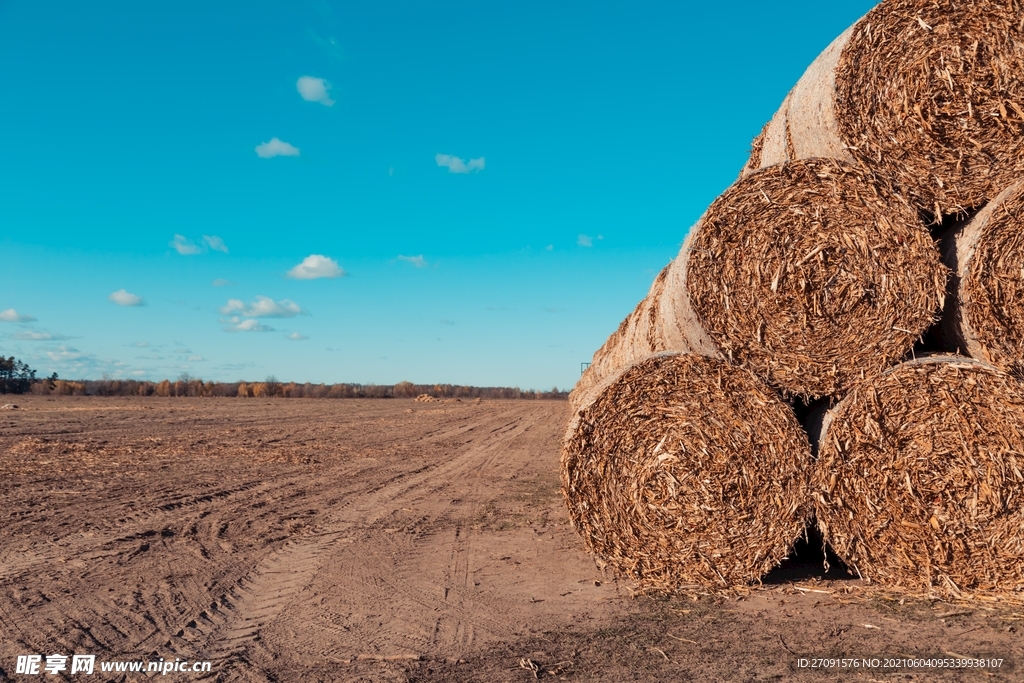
(927, 93)
(985, 316)
(686, 470)
(812, 277)
(919, 482)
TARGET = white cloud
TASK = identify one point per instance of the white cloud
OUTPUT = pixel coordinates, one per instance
(316, 266)
(550, 247)
(262, 307)
(457, 165)
(417, 261)
(314, 90)
(221, 282)
(295, 336)
(248, 326)
(125, 298)
(215, 243)
(276, 148)
(184, 246)
(141, 345)
(585, 241)
(30, 335)
(12, 316)
(196, 359)
(63, 354)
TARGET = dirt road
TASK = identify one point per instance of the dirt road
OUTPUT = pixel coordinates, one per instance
(280, 537)
(386, 540)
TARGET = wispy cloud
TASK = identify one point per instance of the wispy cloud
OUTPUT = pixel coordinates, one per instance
(184, 246)
(196, 359)
(248, 326)
(125, 298)
(32, 335)
(221, 282)
(141, 345)
(262, 307)
(215, 243)
(417, 261)
(587, 240)
(63, 354)
(445, 321)
(276, 148)
(314, 89)
(12, 316)
(295, 336)
(187, 247)
(316, 266)
(457, 165)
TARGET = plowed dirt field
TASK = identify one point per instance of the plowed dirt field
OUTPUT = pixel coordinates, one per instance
(384, 540)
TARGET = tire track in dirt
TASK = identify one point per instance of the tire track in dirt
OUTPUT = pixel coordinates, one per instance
(446, 616)
(226, 635)
(96, 543)
(371, 550)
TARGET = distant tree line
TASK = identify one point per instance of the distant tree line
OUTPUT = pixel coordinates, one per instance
(16, 377)
(275, 389)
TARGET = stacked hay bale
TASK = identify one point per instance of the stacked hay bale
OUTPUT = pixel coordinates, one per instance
(920, 477)
(812, 277)
(985, 313)
(687, 470)
(927, 93)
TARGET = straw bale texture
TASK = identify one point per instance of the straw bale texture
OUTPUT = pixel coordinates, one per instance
(919, 481)
(986, 312)
(686, 470)
(927, 93)
(810, 276)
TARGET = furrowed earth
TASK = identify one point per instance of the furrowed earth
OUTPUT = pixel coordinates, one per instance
(389, 540)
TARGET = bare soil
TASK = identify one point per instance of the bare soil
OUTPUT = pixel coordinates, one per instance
(388, 540)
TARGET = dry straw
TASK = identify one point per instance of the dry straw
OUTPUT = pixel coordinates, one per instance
(686, 470)
(919, 482)
(810, 276)
(927, 93)
(985, 317)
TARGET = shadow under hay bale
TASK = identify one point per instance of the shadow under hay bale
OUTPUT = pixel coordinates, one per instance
(984, 316)
(919, 483)
(812, 277)
(926, 93)
(810, 558)
(686, 470)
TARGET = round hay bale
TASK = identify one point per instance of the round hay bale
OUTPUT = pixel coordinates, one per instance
(919, 482)
(812, 277)
(985, 318)
(927, 93)
(686, 470)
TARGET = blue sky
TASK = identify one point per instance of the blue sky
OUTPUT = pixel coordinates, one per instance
(488, 188)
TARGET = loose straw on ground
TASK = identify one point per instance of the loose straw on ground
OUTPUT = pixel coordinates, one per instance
(812, 277)
(919, 482)
(686, 470)
(929, 94)
(985, 317)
